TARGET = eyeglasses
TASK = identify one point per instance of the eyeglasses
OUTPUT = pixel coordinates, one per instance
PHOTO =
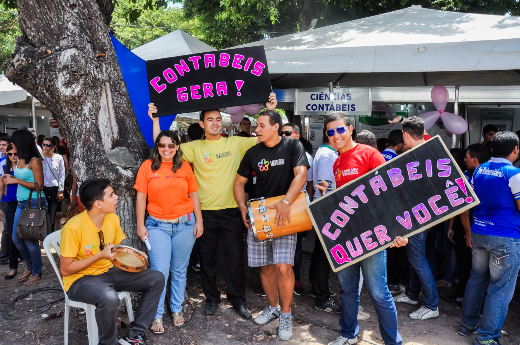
(162, 146)
(101, 240)
(339, 130)
(12, 154)
(288, 133)
(47, 145)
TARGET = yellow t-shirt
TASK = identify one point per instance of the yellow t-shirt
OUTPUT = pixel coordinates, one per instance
(80, 239)
(215, 164)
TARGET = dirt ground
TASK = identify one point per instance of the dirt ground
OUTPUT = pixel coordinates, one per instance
(21, 322)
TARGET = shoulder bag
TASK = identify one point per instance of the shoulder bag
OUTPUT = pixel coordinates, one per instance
(33, 223)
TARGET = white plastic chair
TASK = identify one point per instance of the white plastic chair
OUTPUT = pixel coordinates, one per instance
(90, 309)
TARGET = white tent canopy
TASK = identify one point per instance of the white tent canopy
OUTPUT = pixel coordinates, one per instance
(409, 47)
(9, 92)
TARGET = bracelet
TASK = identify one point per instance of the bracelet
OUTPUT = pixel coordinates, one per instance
(287, 202)
(402, 118)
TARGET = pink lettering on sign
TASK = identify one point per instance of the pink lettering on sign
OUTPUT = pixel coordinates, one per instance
(406, 221)
(452, 195)
(258, 68)
(357, 251)
(432, 202)
(155, 84)
(239, 84)
(349, 206)
(169, 75)
(426, 216)
(195, 92)
(381, 235)
(195, 61)
(360, 194)
(209, 59)
(339, 254)
(248, 63)
(327, 233)
(207, 88)
(182, 68)
(411, 167)
(339, 218)
(221, 88)
(377, 183)
(367, 240)
(396, 176)
(237, 60)
(429, 170)
(182, 96)
(224, 60)
(441, 165)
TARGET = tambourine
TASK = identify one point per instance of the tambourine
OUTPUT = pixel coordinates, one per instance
(129, 259)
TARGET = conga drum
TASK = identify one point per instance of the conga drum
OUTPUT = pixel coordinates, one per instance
(262, 218)
(129, 259)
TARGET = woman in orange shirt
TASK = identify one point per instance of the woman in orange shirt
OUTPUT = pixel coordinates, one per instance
(174, 218)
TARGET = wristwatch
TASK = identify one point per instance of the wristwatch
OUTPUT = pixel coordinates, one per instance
(286, 202)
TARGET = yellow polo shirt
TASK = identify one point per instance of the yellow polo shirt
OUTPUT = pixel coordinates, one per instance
(215, 164)
(80, 239)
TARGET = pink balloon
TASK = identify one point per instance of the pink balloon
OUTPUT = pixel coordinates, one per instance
(454, 123)
(251, 108)
(237, 118)
(234, 110)
(429, 119)
(379, 106)
(440, 97)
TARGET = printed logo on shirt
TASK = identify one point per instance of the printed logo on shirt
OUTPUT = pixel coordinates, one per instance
(263, 165)
(89, 250)
(487, 171)
(162, 177)
(210, 157)
(346, 172)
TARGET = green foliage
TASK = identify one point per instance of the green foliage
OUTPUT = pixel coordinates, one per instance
(8, 31)
(132, 9)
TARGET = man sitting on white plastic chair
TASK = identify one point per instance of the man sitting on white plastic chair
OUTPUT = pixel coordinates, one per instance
(88, 274)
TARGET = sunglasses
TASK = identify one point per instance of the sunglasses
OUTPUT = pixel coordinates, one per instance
(339, 130)
(12, 154)
(101, 240)
(47, 145)
(288, 133)
(162, 146)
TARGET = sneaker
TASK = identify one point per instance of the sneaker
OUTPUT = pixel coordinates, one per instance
(196, 267)
(330, 307)
(424, 313)
(361, 315)
(298, 289)
(267, 315)
(485, 342)
(465, 330)
(398, 288)
(261, 292)
(344, 341)
(443, 284)
(331, 294)
(402, 298)
(131, 341)
(285, 328)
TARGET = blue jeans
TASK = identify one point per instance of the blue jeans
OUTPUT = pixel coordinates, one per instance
(496, 261)
(422, 277)
(171, 248)
(374, 275)
(29, 249)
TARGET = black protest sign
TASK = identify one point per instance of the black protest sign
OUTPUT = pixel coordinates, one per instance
(210, 80)
(402, 197)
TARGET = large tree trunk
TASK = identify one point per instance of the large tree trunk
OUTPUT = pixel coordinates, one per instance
(55, 60)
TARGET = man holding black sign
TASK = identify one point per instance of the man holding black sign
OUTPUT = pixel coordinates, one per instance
(354, 161)
(281, 167)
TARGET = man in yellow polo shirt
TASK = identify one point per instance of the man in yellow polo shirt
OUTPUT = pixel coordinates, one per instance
(88, 274)
(215, 162)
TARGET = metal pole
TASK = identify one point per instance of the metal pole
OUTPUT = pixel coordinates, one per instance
(33, 111)
(454, 138)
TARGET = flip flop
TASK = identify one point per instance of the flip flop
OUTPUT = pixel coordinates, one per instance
(33, 279)
(177, 315)
(26, 275)
(158, 323)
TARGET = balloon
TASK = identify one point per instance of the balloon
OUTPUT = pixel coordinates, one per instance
(429, 119)
(390, 113)
(454, 123)
(440, 97)
(379, 106)
(251, 108)
(237, 118)
(234, 110)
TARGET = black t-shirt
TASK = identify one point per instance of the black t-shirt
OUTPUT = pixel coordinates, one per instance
(273, 166)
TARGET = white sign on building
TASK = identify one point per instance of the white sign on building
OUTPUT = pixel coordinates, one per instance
(320, 101)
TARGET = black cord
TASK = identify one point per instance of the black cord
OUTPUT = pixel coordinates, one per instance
(11, 305)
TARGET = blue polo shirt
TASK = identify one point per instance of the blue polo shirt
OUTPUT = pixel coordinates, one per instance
(497, 185)
(388, 154)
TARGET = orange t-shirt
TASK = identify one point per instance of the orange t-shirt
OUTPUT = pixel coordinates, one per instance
(167, 190)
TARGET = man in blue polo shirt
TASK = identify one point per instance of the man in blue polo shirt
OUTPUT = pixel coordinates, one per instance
(495, 238)
(395, 145)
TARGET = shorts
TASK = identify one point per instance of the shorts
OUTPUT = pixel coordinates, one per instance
(279, 250)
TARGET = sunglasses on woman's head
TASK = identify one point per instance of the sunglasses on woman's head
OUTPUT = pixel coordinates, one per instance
(340, 130)
(12, 154)
(101, 240)
(162, 146)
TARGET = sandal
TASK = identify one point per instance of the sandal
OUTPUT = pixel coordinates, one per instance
(157, 323)
(33, 279)
(26, 275)
(178, 317)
